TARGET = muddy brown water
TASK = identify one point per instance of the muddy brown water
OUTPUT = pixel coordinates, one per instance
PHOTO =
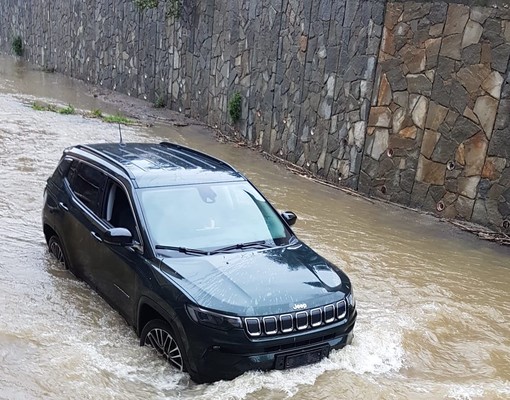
(433, 302)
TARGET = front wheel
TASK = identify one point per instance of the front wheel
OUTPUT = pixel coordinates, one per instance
(57, 250)
(159, 335)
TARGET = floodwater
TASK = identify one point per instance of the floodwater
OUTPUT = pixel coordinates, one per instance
(433, 302)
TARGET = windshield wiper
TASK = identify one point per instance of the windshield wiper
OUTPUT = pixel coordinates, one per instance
(239, 246)
(184, 250)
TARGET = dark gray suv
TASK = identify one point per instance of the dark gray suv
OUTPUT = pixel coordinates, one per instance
(195, 259)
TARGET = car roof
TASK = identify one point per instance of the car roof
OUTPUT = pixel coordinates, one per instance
(162, 164)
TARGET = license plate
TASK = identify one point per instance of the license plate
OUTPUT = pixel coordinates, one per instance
(293, 360)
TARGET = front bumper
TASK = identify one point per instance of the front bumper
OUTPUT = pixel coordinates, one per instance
(226, 355)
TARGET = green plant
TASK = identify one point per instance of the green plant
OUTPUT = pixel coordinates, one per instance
(117, 119)
(67, 110)
(17, 46)
(97, 113)
(39, 107)
(235, 107)
(173, 6)
(160, 102)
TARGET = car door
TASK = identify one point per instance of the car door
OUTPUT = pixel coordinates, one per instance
(95, 204)
(121, 265)
(81, 208)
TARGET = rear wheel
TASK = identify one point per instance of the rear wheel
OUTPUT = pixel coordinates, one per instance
(57, 250)
(159, 335)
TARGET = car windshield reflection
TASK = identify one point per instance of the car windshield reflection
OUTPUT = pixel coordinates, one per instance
(211, 217)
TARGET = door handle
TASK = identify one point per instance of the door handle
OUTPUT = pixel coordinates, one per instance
(96, 236)
(63, 206)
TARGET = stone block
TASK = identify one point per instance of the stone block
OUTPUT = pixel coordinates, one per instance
(451, 47)
(493, 167)
(471, 54)
(385, 96)
(472, 76)
(468, 186)
(430, 172)
(500, 56)
(485, 109)
(464, 207)
(430, 139)
(444, 150)
(401, 98)
(460, 155)
(419, 83)
(468, 113)
(472, 33)
(475, 150)
(419, 112)
(480, 14)
(492, 32)
(397, 79)
(459, 97)
(435, 116)
(463, 129)
(432, 47)
(486, 54)
(418, 194)
(380, 116)
(409, 132)
(407, 179)
(492, 84)
(436, 30)
(479, 214)
(503, 117)
(456, 19)
(414, 59)
(380, 144)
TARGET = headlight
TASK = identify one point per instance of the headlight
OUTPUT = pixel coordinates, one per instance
(212, 319)
(350, 298)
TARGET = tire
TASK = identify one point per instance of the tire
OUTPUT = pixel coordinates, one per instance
(159, 335)
(56, 249)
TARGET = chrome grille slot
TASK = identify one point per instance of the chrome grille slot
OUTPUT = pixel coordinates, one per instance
(270, 325)
(329, 313)
(253, 326)
(341, 309)
(316, 317)
(301, 320)
(286, 323)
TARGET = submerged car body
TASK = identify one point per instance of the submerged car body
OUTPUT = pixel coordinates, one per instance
(195, 259)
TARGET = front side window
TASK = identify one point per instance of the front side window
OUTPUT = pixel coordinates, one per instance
(87, 184)
(210, 216)
(118, 209)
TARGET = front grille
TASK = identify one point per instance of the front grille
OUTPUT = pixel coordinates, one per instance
(298, 321)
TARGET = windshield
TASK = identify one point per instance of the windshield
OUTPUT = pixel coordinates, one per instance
(210, 216)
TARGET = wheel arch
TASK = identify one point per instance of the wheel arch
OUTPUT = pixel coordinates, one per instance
(48, 232)
(149, 309)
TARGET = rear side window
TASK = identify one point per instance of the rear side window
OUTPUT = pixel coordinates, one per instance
(87, 183)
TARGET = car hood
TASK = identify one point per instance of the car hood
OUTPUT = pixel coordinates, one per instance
(260, 282)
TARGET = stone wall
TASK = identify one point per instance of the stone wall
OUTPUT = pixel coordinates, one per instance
(405, 101)
(438, 134)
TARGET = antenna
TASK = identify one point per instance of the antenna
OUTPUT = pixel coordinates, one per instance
(121, 143)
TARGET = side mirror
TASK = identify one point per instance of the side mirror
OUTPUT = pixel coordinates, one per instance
(118, 237)
(289, 217)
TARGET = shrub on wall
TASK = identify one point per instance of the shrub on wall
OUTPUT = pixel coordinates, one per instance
(234, 107)
(173, 6)
(17, 46)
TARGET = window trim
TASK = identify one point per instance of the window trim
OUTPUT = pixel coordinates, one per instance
(100, 218)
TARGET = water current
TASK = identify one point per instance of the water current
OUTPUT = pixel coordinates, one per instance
(433, 302)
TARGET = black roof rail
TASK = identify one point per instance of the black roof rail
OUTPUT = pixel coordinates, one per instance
(106, 157)
(199, 153)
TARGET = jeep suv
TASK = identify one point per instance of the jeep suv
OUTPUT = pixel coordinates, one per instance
(195, 259)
